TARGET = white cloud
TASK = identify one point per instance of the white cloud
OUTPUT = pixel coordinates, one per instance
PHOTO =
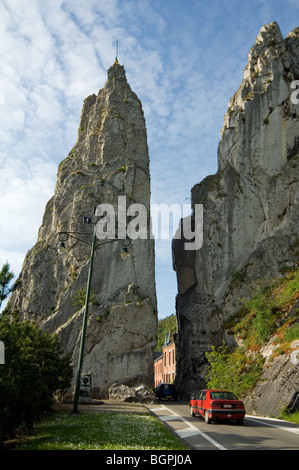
(13, 258)
(24, 191)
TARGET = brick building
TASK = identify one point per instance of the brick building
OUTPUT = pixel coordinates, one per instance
(165, 363)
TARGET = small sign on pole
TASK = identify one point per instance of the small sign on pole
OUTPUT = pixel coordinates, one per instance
(85, 388)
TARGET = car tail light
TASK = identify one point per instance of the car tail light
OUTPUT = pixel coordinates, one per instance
(215, 404)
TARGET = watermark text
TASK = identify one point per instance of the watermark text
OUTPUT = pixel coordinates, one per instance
(295, 94)
(2, 353)
(166, 222)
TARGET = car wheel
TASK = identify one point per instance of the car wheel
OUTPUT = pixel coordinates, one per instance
(207, 419)
(191, 411)
(240, 421)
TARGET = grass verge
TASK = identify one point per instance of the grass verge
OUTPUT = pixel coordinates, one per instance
(291, 417)
(100, 431)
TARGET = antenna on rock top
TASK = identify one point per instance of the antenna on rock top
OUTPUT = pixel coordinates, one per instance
(116, 60)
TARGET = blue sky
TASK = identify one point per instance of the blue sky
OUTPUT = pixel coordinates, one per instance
(184, 59)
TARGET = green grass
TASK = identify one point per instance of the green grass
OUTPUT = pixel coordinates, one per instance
(292, 333)
(292, 417)
(100, 431)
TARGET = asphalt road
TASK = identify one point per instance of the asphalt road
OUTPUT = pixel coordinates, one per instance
(257, 433)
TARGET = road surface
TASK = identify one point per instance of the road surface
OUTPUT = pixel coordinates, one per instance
(257, 433)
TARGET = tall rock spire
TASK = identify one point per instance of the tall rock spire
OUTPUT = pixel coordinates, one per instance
(109, 161)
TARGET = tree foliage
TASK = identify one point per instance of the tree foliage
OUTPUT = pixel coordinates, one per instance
(6, 277)
(165, 326)
(34, 370)
(233, 371)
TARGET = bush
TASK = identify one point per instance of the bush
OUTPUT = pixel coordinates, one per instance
(34, 370)
(232, 371)
(292, 333)
(79, 298)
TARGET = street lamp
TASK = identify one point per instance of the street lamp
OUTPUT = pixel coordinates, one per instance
(124, 253)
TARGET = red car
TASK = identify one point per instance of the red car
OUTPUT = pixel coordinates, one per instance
(217, 404)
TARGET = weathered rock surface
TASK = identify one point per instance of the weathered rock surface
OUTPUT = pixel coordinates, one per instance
(251, 206)
(109, 160)
(125, 393)
(276, 390)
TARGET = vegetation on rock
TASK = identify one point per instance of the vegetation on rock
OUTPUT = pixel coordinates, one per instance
(270, 315)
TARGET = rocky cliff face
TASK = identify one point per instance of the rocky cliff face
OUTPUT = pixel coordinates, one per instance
(251, 205)
(109, 160)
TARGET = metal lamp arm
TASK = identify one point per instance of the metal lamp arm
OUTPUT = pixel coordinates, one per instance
(63, 237)
(71, 234)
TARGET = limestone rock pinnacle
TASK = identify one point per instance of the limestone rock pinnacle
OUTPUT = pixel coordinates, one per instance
(109, 160)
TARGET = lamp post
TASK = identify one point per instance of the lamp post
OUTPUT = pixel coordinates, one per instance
(63, 236)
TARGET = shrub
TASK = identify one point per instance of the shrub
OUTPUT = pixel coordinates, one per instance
(34, 369)
(234, 371)
(292, 333)
(80, 297)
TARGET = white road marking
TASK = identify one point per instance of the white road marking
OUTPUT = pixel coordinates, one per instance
(279, 426)
(168, 418)
(184, 433)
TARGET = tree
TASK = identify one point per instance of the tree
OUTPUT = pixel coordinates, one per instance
(218, 373)
(34, 370)
(235, 371)
(5, 278)
(165, 326)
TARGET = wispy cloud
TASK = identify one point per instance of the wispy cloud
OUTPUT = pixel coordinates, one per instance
(22, 185)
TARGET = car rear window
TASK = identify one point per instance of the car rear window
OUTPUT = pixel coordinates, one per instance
(222, 396)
